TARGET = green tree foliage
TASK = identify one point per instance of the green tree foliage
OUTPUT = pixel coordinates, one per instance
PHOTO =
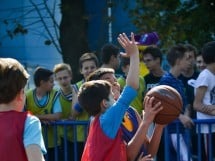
(176, 21)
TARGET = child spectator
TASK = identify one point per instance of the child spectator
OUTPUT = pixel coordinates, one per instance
(43, 102)
(20, 137)
(88, 63)
(63, 75)
(200, 64)
(188, 74)
(110, 56)
(179, 60)
(137, 102)
(152, 57)
(204, 101)
(143, 41)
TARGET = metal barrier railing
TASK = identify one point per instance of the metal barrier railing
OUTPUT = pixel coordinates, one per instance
(210, 123)
(62, 155)
(190, 134)
(194, 141)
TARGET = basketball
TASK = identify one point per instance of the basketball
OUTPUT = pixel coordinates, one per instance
(170, 100)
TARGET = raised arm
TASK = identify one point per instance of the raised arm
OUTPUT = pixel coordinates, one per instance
(131, 51)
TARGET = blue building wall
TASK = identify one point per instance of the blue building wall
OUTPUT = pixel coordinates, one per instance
(29, 49)
(98, 25)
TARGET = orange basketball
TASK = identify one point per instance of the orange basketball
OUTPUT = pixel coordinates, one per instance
(170, 100)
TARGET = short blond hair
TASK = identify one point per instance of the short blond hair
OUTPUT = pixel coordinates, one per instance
(62, 66)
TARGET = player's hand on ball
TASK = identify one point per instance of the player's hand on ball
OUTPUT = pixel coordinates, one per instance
(151, 109)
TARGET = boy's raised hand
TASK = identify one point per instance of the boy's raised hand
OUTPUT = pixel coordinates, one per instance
(129, 45)
(133, 52)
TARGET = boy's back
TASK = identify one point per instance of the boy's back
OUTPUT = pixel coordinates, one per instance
(20, 136)
(12, 123)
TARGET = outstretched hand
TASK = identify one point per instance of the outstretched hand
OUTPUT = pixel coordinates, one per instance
(129, 45)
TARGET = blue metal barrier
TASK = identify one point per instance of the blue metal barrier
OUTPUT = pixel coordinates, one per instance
(63, 156)
(194, 140)
(193, 136)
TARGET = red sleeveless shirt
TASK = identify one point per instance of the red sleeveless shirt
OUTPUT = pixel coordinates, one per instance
(11, 136)
(100, 147)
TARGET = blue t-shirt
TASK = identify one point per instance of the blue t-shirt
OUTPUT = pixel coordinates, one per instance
(32, 133)
(169, 79)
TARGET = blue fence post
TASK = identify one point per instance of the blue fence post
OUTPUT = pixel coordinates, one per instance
(45, 136)
(199, 143)
(65, 142)
(209, 146)
(166, 143)
(178, 141)
(75, 142)
(189, 143)
(55, 141)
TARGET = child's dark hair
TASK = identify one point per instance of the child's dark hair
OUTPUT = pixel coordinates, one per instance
(176, 52)
(13, 78)
(154, 51)
(208, 52)
(92, 93)
(41, 74)
(107, 51)
(124, 61)
(191, 48)
(199, 53)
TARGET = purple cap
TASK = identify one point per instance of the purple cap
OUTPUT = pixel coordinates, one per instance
(147, 39)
